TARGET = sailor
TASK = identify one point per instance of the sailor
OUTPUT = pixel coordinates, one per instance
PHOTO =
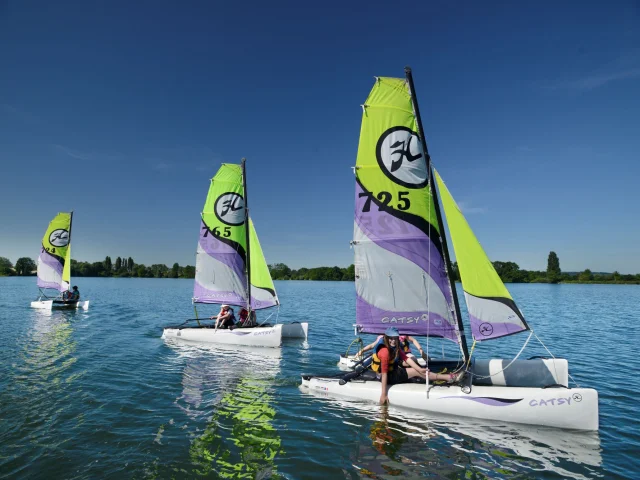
(387, 361)
(71, 296)
(225, 318)
(74, 296)
(404, 341)
(246, 320)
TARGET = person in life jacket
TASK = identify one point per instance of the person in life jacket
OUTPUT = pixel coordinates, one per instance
(404, 341)
(246, 320)
(225, 318)
(387, 363)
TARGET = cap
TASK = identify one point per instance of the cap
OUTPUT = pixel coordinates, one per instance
(392, 332)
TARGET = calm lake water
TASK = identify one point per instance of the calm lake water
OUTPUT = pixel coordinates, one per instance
(99, 394)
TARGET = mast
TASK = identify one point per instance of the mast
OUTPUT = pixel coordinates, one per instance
(69, 244)
(70, 225)
(434, 193)
(247, 239)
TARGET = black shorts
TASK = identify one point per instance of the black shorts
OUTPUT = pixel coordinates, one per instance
(397, 375)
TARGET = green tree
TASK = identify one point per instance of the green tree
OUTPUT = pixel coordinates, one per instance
(141, 270)
(553, 268)
(586, 276)
(279, 271)
(508, 271)
(130, 264)
(159, 270)
(118, 264)
(25, 265)
(175, 271)
(189, 271)
(108, 266)
(6, 267)
(349, 273)
(455, 271)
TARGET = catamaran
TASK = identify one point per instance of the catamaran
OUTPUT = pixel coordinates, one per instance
(231, 268)
(404, 279)
(54, 266)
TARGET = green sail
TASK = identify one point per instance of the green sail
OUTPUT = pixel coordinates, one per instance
(54, 262)
(492, 311)
(66, 271)
(263, 292)
(400, 271)
(221, 252)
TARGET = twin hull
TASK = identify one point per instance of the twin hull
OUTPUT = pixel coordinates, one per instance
(57, 304)
(257, 336)
(575, 408)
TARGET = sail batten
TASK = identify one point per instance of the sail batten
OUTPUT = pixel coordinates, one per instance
(400, 271)
(492, 311)
(54, 261)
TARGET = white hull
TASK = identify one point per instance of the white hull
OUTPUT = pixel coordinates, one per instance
(49, 305)
(295, 330)
(256, 337)
(575, 408)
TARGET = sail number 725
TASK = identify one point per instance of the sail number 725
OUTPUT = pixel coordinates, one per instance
(385, 199)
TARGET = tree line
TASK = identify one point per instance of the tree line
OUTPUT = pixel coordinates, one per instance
(509, 272)
(280, 271)
(122, 267)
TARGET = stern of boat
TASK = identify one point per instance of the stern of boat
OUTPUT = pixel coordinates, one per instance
(295, 330)
(42, 304)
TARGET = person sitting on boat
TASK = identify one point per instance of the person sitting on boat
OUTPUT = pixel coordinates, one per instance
(246, 320)
(225, 318)
(387, 361)
(74, 296)
(71, 296)
(404, 344)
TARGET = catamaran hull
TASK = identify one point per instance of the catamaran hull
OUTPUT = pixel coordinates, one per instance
(255, 337)
(295, 330)
(575, 408)
(58, 305)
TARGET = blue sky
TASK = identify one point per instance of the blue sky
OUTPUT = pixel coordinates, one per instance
(122, 111)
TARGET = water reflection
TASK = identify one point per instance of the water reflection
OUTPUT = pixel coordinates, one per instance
(39, 390)
(231, 391)
(391, 442)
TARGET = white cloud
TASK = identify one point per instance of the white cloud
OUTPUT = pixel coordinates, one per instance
(471, 210)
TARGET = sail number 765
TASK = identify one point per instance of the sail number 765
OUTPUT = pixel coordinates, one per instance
(216, 232)
(385, 199)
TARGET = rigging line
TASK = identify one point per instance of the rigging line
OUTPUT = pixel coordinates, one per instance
(426, 288)
(277, 311)
(393, 292)
(554, 363)
(511, 362)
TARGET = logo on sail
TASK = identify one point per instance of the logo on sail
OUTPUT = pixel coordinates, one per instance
(229, 208)
(400, 156)
(486, 329)
(59, 237)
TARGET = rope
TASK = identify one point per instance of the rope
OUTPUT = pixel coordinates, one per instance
(511, 362)
(359, 340)
(471, 353)
(277, 312)
(554, 363)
